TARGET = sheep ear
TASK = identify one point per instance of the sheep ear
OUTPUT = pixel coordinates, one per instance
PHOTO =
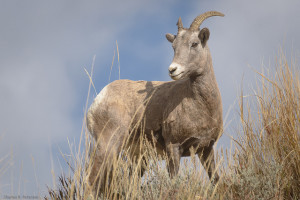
(170, 37)
(204, 36)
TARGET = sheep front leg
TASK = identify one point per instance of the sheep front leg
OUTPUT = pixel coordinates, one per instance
(208, 161)
(174, 154)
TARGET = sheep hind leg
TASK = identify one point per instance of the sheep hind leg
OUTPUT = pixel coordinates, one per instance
(100, 172)
(208, 162)
(133, 171)
(105, 154)
(143, 166)
(174, 155)
(97, 172)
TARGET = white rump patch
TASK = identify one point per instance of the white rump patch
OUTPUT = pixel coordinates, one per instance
(99, 98)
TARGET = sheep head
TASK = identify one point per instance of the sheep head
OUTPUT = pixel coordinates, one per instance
(190, 49)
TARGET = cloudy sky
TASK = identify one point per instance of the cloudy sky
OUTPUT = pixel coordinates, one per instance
(45, 46)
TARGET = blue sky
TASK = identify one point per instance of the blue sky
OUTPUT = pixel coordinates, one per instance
(45, 46)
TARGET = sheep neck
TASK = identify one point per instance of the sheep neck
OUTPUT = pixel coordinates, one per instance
(204, 87)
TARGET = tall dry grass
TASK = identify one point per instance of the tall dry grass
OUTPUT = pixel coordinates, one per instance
(264, 163)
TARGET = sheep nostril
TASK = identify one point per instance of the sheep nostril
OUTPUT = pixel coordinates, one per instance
(173, 69)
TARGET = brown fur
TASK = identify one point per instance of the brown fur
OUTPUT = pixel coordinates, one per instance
(181, 114)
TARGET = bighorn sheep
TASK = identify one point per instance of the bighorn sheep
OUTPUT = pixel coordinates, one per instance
(181, 114)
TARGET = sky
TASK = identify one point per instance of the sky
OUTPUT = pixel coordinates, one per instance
(45, 47)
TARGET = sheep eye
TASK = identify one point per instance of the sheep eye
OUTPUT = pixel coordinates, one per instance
(194, 44)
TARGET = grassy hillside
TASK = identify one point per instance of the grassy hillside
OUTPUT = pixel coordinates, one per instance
(264, 162)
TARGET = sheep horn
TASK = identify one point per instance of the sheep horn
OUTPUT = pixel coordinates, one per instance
(179, 24)
(198, 20)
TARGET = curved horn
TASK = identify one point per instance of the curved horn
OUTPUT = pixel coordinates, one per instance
(198, 20)
(179, 24)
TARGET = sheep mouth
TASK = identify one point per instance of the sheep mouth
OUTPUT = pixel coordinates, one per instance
(177, 76)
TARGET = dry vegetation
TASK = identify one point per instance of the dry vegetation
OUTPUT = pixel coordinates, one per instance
(263, 164)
